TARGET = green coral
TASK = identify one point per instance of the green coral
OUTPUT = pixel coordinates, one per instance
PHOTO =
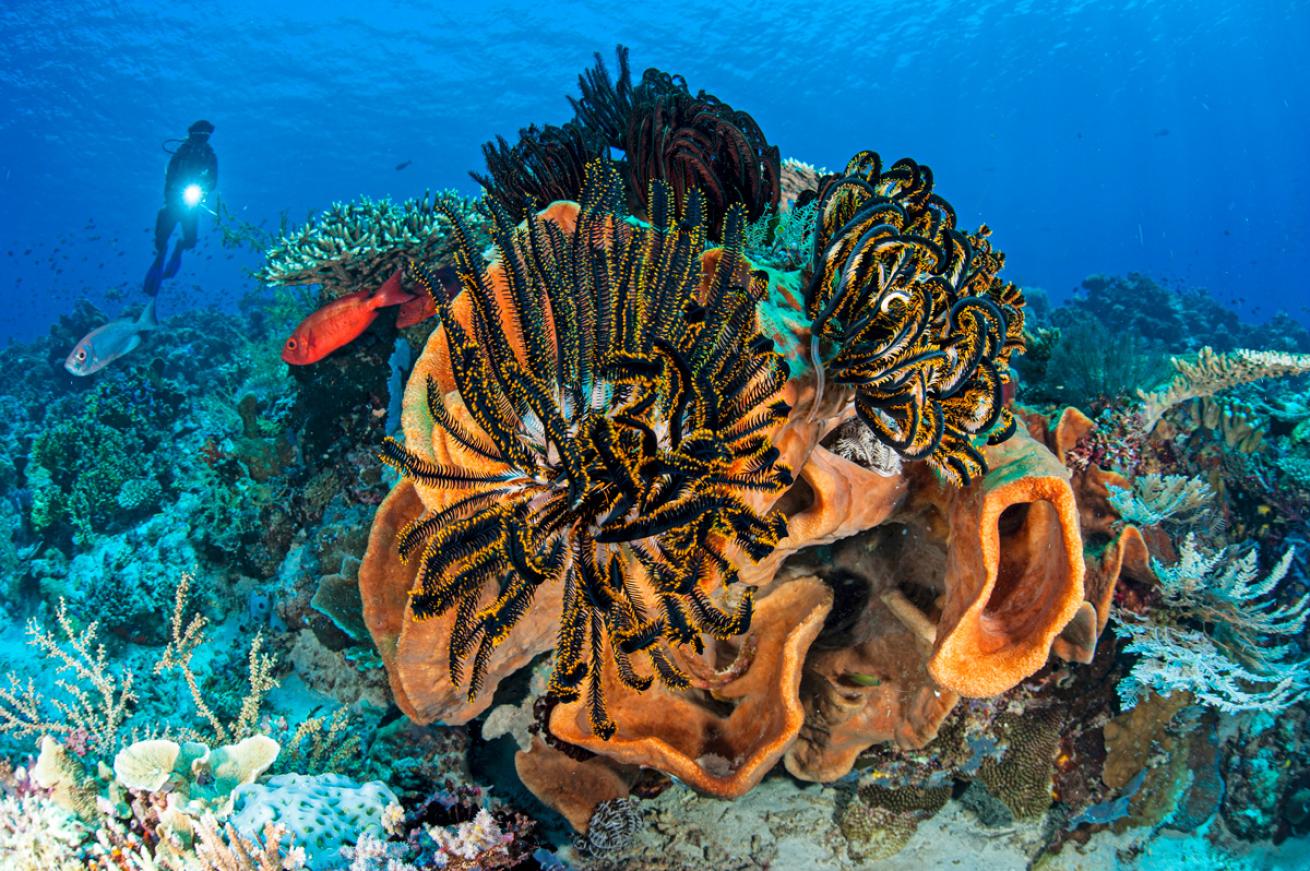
(79, 470)
(783, 239)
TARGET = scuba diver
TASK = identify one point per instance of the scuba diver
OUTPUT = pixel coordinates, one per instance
(192, 174)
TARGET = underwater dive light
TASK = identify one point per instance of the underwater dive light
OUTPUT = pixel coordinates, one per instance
(192, 194)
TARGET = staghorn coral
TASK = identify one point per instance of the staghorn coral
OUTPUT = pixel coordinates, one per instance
(607, 442)
(1218, 633)
(1212, 372)
(1239, 425)
(360, 244)
(223, 848)
(799, 179)
(907, 312)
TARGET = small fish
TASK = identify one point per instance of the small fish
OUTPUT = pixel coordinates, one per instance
(341, 322)
(403, 164)
(421, 307)
(104, 345)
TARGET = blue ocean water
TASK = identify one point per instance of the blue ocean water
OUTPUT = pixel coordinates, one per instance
(1028, 586)
(1159, 137)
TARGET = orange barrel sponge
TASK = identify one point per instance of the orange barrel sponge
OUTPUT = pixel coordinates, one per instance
(1014, 572)
(741, 715)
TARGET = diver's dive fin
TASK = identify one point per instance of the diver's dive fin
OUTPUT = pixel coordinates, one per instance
(154, 276)
(174, 262)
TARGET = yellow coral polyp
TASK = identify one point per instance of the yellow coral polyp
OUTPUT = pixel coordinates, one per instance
(600, 416)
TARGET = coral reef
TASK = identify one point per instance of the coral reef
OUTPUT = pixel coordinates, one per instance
(1210, 373)
(713, 483)
(1218, 632)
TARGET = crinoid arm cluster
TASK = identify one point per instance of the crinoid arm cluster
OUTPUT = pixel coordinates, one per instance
(664, 133)
(907, 312)
(601, 418)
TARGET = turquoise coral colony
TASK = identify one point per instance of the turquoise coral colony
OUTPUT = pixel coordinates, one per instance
(687, 473)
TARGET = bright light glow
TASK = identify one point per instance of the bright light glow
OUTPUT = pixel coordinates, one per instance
(192, 194)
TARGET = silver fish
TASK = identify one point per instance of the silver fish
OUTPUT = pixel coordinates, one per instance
(104, 345)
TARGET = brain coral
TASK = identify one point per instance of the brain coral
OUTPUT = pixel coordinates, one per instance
(595, 413)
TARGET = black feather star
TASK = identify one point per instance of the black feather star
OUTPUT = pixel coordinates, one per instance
(613, 400)
(907, 312)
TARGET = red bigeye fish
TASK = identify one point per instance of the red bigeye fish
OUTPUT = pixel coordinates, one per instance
(421, 307)
(341, 322)
(104, 345)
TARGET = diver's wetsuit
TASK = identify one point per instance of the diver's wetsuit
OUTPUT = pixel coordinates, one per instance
(194, 162)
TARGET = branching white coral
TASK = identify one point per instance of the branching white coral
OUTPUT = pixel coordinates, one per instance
(1220, 633)
(38, 835)
(470, 840)
(1211, 372)
(95, 702)
(1156, 498)
(1176, 659)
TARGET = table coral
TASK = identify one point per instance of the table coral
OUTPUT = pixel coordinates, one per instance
(356, 245)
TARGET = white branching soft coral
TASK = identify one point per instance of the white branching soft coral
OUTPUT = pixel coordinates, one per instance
(1210, 372)
(1156, 498)
(1220, 633)
(469, 840)
(38, 835)
(95, 700)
